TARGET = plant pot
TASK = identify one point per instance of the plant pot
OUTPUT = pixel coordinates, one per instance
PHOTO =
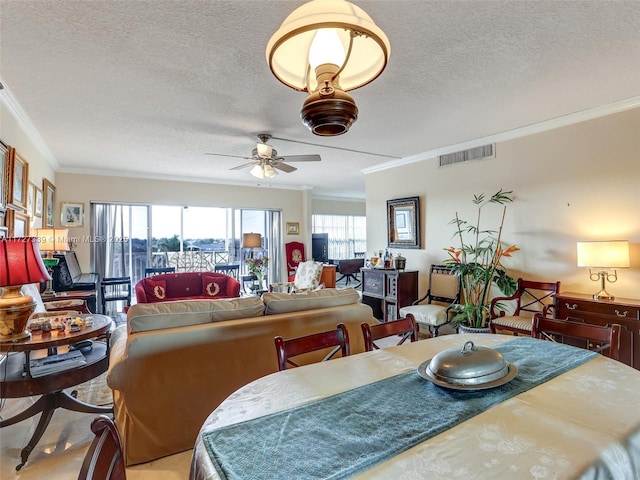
(467, 329)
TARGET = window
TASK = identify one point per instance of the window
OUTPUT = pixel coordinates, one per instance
(188, 238)
(347, 234)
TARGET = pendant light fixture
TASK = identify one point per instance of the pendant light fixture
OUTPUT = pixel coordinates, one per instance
(326, 48)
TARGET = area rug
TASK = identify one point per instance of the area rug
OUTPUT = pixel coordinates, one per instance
(95, 392)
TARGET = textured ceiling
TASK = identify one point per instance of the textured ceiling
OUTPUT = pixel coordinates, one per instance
(146, 88)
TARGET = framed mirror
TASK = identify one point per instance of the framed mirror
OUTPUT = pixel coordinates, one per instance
(403, 222)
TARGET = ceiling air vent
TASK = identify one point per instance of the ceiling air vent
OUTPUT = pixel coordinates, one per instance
(485, 151)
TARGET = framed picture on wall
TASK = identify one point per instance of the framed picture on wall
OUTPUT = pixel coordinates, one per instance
(4, 174)
(17, 223)
(31, 198)
(38, 203)
(49, 203)
(72, 215)
(18, 180)
(293, 228)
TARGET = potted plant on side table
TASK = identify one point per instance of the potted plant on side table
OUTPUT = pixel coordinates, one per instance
(478, 262)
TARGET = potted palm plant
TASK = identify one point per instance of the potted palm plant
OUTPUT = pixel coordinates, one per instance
(478, 262)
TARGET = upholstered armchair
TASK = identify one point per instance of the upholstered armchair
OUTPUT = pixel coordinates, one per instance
(307, 277)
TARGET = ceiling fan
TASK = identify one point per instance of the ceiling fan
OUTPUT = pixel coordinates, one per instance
(265, 159)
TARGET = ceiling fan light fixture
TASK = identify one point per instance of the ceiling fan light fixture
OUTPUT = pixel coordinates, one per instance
(264, 150)
(257, 171)
(269, 171)
(328, 47)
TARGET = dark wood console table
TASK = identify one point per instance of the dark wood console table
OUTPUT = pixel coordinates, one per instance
(386, 291)
(623, 311)
(16, 380)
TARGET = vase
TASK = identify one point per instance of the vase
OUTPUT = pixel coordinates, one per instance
(259, 280)
(467, 329)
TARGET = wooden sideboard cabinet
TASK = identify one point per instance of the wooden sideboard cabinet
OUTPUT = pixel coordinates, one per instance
(624, 311)
(386, 291)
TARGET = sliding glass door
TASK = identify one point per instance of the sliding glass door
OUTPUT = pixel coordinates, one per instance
(135, 237)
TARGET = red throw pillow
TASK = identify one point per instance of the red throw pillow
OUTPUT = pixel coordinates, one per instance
(156, 290)
(214, 286)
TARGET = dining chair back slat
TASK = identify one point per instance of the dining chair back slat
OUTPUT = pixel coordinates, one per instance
(404, 328)
(602, 339)
(293, 347)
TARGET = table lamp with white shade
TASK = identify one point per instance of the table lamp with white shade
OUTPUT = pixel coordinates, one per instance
(602, 256)
(52, 240)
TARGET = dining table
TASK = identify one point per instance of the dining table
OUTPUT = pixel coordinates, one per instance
(568, 413)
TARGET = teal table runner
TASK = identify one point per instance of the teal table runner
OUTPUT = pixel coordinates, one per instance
(345, 434)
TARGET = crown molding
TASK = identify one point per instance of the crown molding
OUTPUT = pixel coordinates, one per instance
(558, 122)
(22, 119)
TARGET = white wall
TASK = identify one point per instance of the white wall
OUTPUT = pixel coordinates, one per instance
(580, 182)
(16, 131)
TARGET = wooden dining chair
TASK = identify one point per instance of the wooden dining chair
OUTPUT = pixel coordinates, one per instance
(104, 459)
(602, 339)
(404, 328)
(286, 349)
(530, 297)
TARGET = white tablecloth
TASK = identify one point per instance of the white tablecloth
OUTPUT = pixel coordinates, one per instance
(584, 424)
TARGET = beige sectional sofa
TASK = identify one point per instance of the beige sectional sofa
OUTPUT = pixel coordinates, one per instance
(173, 363)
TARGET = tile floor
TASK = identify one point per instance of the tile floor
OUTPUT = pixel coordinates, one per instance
(60, 452)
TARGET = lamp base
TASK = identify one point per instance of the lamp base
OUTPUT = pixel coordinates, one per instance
(603, 295)
(15, 310)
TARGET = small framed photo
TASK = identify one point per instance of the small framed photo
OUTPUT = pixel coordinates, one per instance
(38, 203)
(293, 228)
(72, 215)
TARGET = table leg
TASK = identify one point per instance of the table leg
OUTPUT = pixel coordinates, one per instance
(47, 404)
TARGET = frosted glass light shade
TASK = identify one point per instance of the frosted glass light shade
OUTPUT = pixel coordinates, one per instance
(264, 150)
(605, 254)
(288, 49)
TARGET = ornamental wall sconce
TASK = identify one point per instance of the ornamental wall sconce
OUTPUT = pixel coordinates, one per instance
(326, 48)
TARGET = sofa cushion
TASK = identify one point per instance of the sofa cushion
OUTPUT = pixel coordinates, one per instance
(214, 286)
(156, 290)
(235, 308)
(311, 300)
(144, 317)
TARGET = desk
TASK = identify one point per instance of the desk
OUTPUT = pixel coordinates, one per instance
(13, 384)
(570, 427)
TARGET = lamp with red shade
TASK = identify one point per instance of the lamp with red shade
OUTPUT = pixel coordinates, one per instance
(20, 264)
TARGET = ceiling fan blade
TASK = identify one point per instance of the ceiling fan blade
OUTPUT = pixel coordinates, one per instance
(300, 158)
(232, 156)
(284, 167)
(243, 166)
